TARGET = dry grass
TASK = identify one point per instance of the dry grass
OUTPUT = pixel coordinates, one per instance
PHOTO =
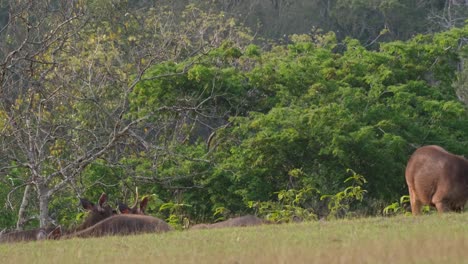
(427, 239)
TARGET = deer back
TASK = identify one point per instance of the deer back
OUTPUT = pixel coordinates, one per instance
(246, 220)
(124, 224)
(31, 235)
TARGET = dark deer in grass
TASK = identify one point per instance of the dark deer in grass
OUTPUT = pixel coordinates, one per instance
(31, 235)
(246, 220)
(437, 178)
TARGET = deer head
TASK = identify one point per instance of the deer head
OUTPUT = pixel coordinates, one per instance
(138, 207)
(96, 213)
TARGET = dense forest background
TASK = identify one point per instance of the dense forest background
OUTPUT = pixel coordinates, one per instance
(292, 110)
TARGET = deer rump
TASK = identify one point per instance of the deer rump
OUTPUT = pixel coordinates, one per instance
(123, 225)
(437, 178)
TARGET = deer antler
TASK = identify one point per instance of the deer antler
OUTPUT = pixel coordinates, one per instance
(134, 207)
(101, 201)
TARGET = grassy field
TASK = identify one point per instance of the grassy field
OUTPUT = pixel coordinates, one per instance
(426, 239)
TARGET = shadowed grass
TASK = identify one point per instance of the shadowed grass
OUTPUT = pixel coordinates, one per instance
(426, 239)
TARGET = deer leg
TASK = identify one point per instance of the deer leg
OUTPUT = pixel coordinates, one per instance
(458, 208)
(416, 207)
(415, 203)
(441, 207)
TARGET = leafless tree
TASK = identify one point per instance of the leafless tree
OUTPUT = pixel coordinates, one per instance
(34, 33)
(453, 14)
(67, 72)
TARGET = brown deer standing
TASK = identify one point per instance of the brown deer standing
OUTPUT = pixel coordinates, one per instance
(437, 178)
(246, 220)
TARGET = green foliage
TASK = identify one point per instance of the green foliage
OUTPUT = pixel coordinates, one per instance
(339, 203)
(220, 213)
(397, 208)
(291, 206)
(11, 193)
(324, 112)
(175, 218)
(8, 217)
(403, 207)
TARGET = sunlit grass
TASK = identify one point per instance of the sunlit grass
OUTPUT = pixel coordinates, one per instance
(426, 239)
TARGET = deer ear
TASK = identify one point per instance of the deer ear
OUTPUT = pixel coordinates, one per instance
(144, 204)
(124, 209)
(102, 199)
(86, 204)
(55, 234)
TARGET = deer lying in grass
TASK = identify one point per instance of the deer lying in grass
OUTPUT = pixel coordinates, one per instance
(31, 235)
(124, 224)
(246, 220)
(101, 221)
(130, 221)
(96, 214)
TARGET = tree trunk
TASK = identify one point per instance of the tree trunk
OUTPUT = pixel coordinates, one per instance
(22, 210)
(43, 206)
